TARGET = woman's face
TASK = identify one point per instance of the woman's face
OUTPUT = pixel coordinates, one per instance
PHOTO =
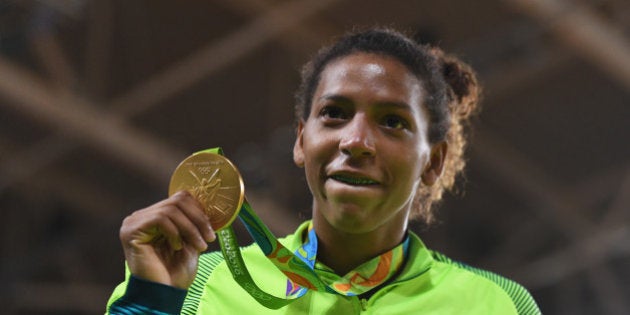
(364, 146)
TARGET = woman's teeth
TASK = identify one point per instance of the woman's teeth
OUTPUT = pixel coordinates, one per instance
(354, 180)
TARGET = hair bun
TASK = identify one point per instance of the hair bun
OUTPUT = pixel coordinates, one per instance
(462, 80)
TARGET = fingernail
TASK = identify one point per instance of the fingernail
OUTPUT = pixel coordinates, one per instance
(211, 236)
(182, 193)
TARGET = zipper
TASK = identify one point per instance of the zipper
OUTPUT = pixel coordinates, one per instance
(364, 304)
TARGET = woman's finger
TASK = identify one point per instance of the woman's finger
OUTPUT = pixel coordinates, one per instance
(195, 213)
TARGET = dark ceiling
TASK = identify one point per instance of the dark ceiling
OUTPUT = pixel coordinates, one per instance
(100, 100)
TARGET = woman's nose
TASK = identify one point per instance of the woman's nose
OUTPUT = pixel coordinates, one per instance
(357, 138)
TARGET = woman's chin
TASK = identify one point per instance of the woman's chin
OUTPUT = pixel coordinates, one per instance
(350, 218)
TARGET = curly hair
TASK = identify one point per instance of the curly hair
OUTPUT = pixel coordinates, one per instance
(452, 96)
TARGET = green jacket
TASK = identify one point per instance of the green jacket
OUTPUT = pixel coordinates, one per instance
(430, 283)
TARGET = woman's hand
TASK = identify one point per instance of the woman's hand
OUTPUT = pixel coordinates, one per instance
(162, 242)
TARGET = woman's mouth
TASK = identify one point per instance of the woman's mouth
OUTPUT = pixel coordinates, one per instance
(354, 180)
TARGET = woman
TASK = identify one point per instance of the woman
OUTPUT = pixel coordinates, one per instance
(380, 137)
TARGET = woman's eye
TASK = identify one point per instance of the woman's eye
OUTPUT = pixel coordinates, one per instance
(394, 122)
(333, 112)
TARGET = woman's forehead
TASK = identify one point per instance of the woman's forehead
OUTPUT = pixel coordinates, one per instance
(361, 72)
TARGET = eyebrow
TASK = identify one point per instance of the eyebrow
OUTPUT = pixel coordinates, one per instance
(335, 97)
(343, 99)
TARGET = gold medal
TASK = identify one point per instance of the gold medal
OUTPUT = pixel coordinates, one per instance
(215, 182)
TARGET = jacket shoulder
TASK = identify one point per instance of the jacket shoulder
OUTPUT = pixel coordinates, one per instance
(522, 299)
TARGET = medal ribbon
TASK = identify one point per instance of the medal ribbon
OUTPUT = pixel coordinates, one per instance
(363, 278)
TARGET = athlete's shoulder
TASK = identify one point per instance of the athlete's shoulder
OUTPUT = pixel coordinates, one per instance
(520, 296)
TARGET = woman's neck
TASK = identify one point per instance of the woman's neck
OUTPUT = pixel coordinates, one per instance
(344, 251)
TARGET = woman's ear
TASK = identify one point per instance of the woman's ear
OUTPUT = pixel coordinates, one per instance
(433, 170)
(298, 152)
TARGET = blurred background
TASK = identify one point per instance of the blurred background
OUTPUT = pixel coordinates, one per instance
(101, 99)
